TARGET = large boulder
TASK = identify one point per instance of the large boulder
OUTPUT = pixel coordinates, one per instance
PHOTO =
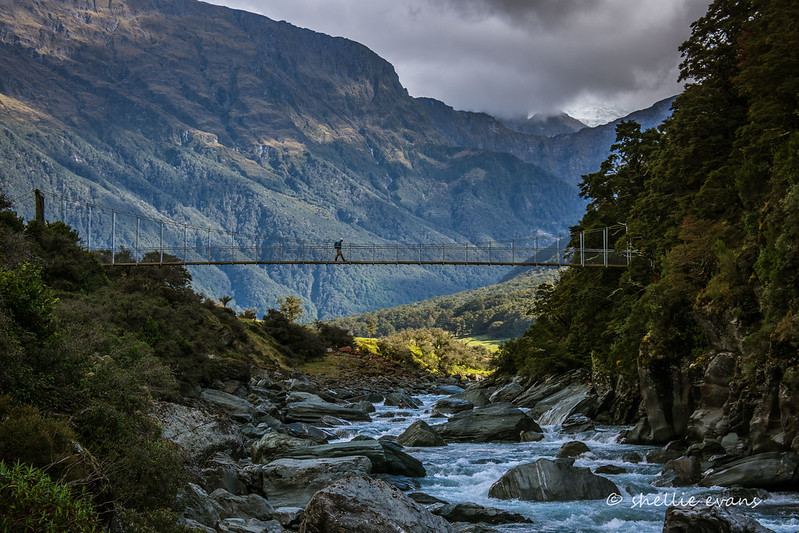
(452, 405)
(680, 472)
(546, 480)
(573, 448)
(363, 505)
(506, 393)
(668, 394)
(420, 434)
(386, 457)
(493, 423)
(710, 519)
(708, 420)
(292, 482)
(476, 397)
(772, 470)
(313, 411)
(199, 433)
(221, 472)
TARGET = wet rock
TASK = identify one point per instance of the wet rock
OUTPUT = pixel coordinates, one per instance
(402, 400)
(292, 482)
(449, 389)
(572, 448)
(631, 457)
(672, 450)
(713, 519)
(610, 469)
(772, 470)
(403, 483)
(313, 411)
(506, 393)
(547, 480)
(680, 472)
(476, 397)
(195, 526)
(552, 385)
(577, 423)
(363, 505)
(272, 444)
(708, 419)
(420, 434)
(474, 513)
(452, 405)
(363, 405)
(667, 392)
(385, 458)
(640, 434)
(495, 422)
(199, 433)
(705, 449)
(531, 436)
(251, 505)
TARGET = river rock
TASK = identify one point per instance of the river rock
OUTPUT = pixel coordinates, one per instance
(363, 405)
(476, 397)
(425, 499)
(631, 457)
(772, 471)
(572, 448)
(313, 411)
(531, 436)
(474, 513)
(420, 434)
(385, 457)
(199, 433)
(610, 469)
(495, 422)
(546, 480)
(713, 519)
(672, 450)
(466, 527)
(449, 389)
(667, 393)
(680, 472)
(452, 406)
(292, 482)
(273, 443)
(401, 399)
(251, 505)
(506, 393)
(363, 505)
(577, 423)
(708, 420)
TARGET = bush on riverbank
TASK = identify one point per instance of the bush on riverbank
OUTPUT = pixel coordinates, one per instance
(434, 350)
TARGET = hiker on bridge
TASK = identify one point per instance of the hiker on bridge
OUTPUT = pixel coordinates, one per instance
(337, 245)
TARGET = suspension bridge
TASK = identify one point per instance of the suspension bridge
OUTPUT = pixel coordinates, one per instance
(128, 239)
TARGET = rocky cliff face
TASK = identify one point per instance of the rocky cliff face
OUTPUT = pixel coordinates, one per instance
(723, 398)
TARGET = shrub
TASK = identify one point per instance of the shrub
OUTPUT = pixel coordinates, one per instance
(299, 342)
(31, 501)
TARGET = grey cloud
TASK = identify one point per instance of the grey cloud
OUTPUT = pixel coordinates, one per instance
(511, 57)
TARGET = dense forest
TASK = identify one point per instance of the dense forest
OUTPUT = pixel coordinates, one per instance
(500, 311)
(711, 200)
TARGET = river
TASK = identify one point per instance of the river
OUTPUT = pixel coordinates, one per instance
(464, 473)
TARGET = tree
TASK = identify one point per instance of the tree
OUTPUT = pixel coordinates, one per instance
(291, 307)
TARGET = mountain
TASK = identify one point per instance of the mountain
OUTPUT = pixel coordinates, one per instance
(544, 125)
(224, 119)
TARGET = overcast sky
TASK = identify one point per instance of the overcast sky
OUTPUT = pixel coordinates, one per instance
(513, 57)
